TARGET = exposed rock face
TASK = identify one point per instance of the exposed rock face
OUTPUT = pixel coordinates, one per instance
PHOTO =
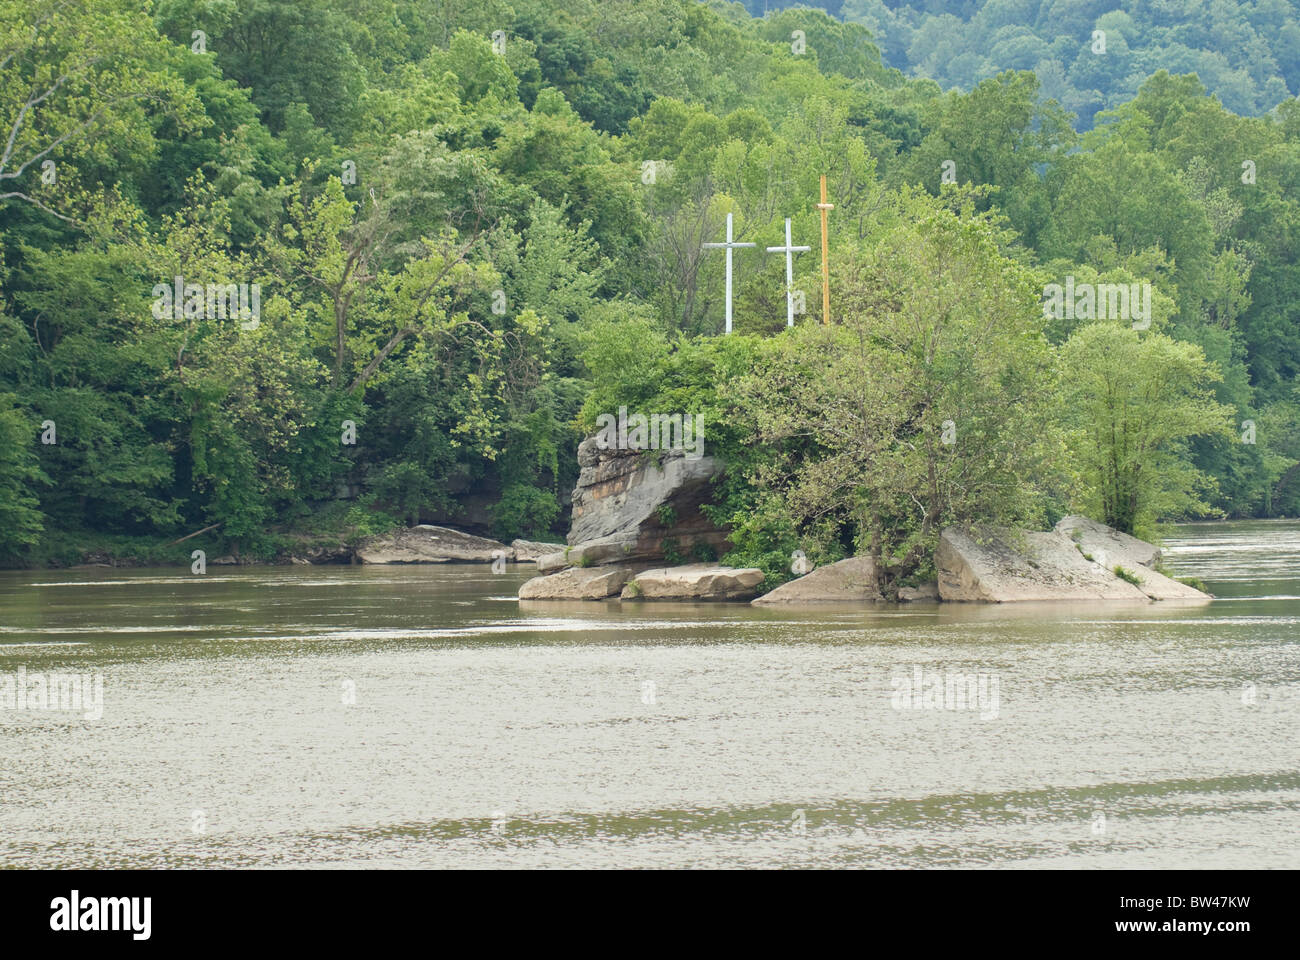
(1000, 566)
(695, 581)
(629, 503)
(578, 583)
(429, 544)
(852, 580)
(528, 551)
(1105, 542)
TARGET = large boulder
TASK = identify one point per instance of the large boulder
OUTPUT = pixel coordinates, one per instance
(997, 565)
(578, 583)
(852, 580)
(694, 581)
(530, 551)
(1108, 548)
(632, 505)
(1107, 545)
(430, 544)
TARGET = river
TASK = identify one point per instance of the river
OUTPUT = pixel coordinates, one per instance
(380, 716)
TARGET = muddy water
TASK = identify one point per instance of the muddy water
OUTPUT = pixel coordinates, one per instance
(423, 717)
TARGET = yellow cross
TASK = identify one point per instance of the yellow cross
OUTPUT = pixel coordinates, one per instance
(826, 270)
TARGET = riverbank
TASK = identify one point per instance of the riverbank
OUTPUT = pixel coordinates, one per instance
(70, 549)
(423, 543)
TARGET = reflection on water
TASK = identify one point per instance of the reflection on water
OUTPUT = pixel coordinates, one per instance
(422, 716)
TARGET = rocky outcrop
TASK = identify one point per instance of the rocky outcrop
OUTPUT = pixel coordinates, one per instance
(579, 583)
(1107, 545)
(1000, 566)
(632, 505)
(430, 544)
(695, 581)
(852, 580)
(995, 565)
(529, 551)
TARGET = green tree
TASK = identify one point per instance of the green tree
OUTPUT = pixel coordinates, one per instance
(1136, 399)
(927, 405)
(21, 520)
(78, 81)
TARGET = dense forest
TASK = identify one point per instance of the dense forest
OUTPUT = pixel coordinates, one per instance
(462, 230)
(1246, 54)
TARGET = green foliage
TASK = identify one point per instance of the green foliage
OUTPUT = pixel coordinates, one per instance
(468, 255)
(1127, 575)
(914, 412)
(21, 521)
(1135, 399)
(1245, 52)
(703, 552)
(525, 511)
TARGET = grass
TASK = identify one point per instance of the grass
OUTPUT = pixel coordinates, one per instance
(1128, 575)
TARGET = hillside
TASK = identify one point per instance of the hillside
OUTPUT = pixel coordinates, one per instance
(464, 230)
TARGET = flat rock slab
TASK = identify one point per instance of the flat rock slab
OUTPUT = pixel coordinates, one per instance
(578, 583)
(529, 551)
(1004, 566)
(1107, 545)
(1159, 587)
(845, 581)
(430, 544)
(991, 565)
(695, 581)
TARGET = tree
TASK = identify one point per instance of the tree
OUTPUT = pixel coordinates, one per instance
(927, 405)
(1136, 399)
(1000, 134)
(75, 77)
(21, 521)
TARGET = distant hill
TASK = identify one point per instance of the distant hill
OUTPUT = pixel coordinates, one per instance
(1247, 54)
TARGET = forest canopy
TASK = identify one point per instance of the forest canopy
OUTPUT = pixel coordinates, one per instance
(411, 250)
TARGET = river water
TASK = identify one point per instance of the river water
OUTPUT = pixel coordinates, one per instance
(424, 717)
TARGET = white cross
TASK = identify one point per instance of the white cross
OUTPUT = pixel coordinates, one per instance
(728, 246)
(789, 249)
